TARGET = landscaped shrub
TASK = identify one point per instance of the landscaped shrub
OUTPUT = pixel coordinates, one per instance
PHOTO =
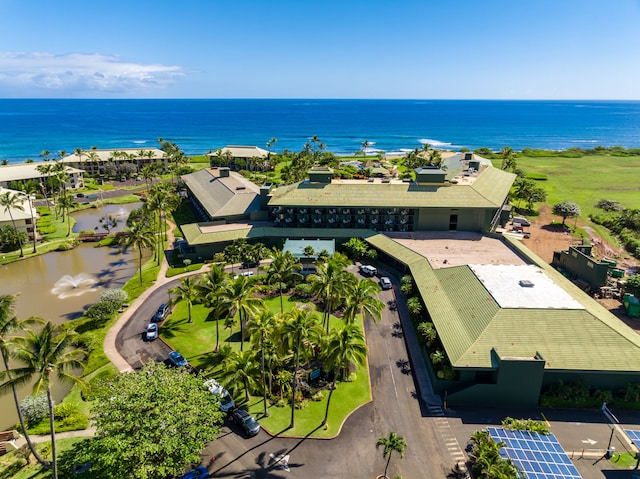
(114, 297)
(68, 417)
(525, 425)
(34, 409)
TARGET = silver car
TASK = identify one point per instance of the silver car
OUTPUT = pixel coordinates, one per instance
(151, 332)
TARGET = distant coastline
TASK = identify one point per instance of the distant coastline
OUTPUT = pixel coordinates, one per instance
(29, 126)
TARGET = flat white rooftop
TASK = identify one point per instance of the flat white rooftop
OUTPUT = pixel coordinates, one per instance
(523, 286)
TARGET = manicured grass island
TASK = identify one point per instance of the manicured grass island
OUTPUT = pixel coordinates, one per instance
(197, 340)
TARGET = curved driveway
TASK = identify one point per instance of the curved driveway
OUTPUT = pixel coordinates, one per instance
(395, 407)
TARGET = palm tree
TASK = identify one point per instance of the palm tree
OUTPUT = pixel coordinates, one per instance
(30, 191)
(45, 170)
(238, 295)
(65, 203)
(210, 287)
(364, 147)
(12, 201)
(186, 291)
(49, 350)
(9, 323)
(259, 328)
(282, 270)
(344, 346)
(362, 298)
(301, 325)
(328, 283)
(240, 369)
(141, 237)
(162, 197)
(79, 152)
(391, 443)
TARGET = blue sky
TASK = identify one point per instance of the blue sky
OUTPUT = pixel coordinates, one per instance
(445, 49)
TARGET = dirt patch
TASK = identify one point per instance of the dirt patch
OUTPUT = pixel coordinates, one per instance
(546, 238)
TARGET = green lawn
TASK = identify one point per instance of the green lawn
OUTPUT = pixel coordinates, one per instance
(196, 341)
(586, 180)
(9, 471)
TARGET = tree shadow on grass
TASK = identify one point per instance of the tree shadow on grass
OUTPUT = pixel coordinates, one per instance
(175, 328)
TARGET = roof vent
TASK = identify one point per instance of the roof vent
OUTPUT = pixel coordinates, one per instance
(525, 283)
(241, 188)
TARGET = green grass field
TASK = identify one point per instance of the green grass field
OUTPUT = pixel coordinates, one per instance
(196, 341)
(586, 180)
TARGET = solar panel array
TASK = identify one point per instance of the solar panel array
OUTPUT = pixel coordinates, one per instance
(539, 456)
(633, 435)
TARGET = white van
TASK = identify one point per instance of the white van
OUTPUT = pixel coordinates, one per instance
(368, 270)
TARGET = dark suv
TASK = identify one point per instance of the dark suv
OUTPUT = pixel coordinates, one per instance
(249, 264)
(162, 313)
(246, 421)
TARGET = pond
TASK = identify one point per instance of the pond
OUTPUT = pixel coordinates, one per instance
(60, 285)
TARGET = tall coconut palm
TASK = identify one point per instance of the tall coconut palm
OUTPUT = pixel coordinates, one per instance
(11, 201)
(364, 146)
(162, 198)
(140, 236)
(210, 288)
(259, 328)
(79, 152)
(328, 283)
(282, 270)
(362, 298)
(41, 353)
(301, 324)
(65, 203)
(9, 324)
(45, 170)
(344, 346)
(30, 192)
(239, 296)
(186, 291)
(390, 444)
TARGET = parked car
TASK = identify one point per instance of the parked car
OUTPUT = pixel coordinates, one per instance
(244, 273)
(249, 264)
(151, 332)
(520, 221)
(385, 283)
(368, 270)
(246, 421)
(226, 401)
(199, 472)
(162, 313)
(177, 360)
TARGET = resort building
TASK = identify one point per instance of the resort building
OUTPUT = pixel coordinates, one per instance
(219, 194)
(25, 172)
(93, 161)
(237, 157)
(20, 216)
(508, 328)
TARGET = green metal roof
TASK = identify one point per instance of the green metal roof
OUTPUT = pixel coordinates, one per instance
(488, 190)
(470, 323)
(223, 196)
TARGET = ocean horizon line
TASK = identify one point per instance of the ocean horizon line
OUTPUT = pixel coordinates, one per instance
(595, 100)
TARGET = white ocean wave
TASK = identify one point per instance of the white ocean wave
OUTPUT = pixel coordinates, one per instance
(140, 142)
(584, 141)
(437, 144)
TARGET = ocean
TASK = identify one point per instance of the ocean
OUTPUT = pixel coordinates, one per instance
(29, 126)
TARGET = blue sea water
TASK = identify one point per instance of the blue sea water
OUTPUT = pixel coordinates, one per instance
(29, 126)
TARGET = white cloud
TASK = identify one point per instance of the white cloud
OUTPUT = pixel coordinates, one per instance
(79, 74)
